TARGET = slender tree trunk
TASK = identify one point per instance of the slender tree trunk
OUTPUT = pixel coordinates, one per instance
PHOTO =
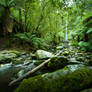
(20, 20)
(20, 16)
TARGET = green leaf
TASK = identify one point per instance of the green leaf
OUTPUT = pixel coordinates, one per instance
(89, 31)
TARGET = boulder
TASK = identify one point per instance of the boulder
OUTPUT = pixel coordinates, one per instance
(62, 80)
(58, 62)
(41, 54)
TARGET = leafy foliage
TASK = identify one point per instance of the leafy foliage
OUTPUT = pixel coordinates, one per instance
(29, 38)
(34, 20)
(85, 46)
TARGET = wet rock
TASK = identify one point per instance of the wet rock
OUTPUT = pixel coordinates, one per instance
(62, 80)
(41, 54)
(18, 61)
(7, 56)
(59, 47)
(74, 67)
(89, 62)
(81, 59)
(87, 90)
(27, 62)
(74, 61)
(20, 73)
(33, 56)
(29, 67)
(66, 53)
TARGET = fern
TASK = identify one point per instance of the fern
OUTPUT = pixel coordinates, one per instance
(29, 38)
(86, 46)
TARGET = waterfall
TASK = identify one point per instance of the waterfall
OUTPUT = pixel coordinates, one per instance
(66, 28)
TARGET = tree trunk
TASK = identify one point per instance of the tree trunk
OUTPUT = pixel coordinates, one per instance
(20, 20)
(6, 21)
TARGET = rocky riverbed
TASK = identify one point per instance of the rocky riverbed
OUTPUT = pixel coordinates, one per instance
(14, 64)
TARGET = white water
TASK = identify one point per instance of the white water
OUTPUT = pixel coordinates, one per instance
(66, 28)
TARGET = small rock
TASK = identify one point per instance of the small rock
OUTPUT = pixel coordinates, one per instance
(81, 59)
(59, 47)
(66, 53)
(33, 56)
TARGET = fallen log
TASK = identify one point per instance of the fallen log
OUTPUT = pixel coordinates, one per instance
(33, 70)
(62, 80)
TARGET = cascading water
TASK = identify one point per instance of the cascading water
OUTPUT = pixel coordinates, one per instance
(66, 31)
(66, 28)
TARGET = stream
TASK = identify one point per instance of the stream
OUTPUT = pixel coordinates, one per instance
(10, 71)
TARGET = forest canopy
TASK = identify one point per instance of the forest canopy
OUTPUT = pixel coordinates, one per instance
(35, 22)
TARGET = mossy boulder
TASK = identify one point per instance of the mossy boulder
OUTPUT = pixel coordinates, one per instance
(59, 81)
(7, 56)
(58, 62)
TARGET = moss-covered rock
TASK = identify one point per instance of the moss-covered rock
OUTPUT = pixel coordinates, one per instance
(38, 62)
(66, 53)
(59, 47)
(81, 59)
(7, 56)
(89, 62)
(58, 62)
(18, 61)
(87, 90)
(59, 81)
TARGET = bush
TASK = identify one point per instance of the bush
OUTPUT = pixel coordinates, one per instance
(85, 46)
(29, 38)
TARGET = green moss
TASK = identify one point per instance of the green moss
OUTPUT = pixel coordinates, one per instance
(17, 61)
(39, 62)
(59, 81)
(58, 62)
(7, 56)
